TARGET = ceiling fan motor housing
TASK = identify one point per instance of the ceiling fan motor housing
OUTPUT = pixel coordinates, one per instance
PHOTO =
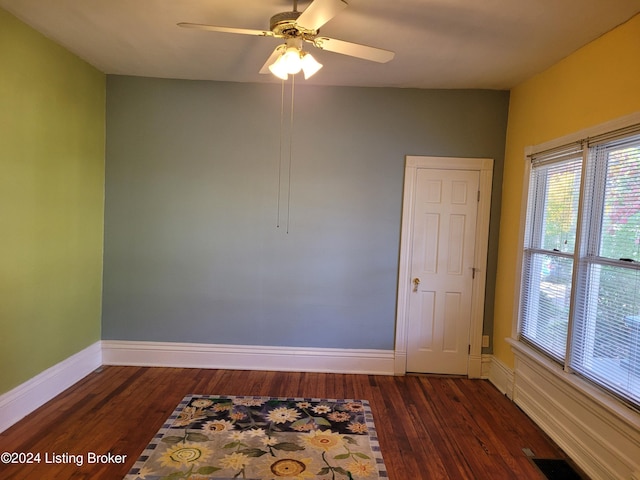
(284, 24)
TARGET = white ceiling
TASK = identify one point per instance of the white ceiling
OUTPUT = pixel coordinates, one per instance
(491, 44)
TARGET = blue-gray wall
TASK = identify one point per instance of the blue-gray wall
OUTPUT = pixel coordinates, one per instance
(192, 251)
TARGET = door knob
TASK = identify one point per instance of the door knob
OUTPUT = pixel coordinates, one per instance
(416, 282)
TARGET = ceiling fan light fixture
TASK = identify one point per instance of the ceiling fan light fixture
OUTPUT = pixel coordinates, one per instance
(309, 65)
(295, 28)
(278, 69)
(292, 61)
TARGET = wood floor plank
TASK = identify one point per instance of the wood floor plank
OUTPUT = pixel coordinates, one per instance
(429, 427)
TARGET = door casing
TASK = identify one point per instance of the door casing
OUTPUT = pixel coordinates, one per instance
(485, 167)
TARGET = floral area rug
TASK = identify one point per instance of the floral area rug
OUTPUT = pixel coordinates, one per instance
(263, 438)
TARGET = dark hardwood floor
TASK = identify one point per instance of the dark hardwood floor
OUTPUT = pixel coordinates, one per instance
(429, 427)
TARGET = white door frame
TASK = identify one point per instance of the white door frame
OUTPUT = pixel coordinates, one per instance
(485, 167)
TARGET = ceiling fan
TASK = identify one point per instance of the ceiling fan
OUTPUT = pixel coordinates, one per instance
(296, 28)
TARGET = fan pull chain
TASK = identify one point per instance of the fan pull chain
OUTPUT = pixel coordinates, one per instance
(293, 85)
(282, 133)
(280, 157)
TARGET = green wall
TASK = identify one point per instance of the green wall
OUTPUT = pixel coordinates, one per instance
(52, 136)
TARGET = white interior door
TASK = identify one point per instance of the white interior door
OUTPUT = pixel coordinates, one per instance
(442, 270)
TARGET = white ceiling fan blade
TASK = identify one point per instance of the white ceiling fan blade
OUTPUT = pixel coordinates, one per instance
(354, 49)
(319, 13)
(215, 28)
(272, 58)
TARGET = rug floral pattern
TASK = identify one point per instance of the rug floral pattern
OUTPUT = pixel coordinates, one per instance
(263, 438)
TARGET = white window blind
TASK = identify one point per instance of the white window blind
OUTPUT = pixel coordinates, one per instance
(606, 336)
(580, 295)
(548, 255)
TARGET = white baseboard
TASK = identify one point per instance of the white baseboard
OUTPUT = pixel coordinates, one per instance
(243, 357)
(485, 366)
(501, 376)
(400, 363)
(475, 366)
(601, 439)
(35, 392)
(600, 434)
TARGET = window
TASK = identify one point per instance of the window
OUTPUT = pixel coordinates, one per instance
(580, 293)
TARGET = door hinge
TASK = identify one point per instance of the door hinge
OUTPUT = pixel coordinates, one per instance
(469, 351)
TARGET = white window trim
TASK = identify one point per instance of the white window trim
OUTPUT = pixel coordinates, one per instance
(606, 401)
(594, 131)
(598, 430)
(593, 428)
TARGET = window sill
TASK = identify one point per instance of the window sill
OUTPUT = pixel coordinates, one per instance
(581, 390)
(599, 432)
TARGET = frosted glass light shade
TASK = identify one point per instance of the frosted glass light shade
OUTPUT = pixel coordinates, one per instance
(292, 61)
(278, 70)
(310, 65)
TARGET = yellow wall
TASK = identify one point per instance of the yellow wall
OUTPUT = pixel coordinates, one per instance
(598, 83)
(52, 137)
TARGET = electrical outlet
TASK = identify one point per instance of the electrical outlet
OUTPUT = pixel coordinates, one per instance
(485, 340)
